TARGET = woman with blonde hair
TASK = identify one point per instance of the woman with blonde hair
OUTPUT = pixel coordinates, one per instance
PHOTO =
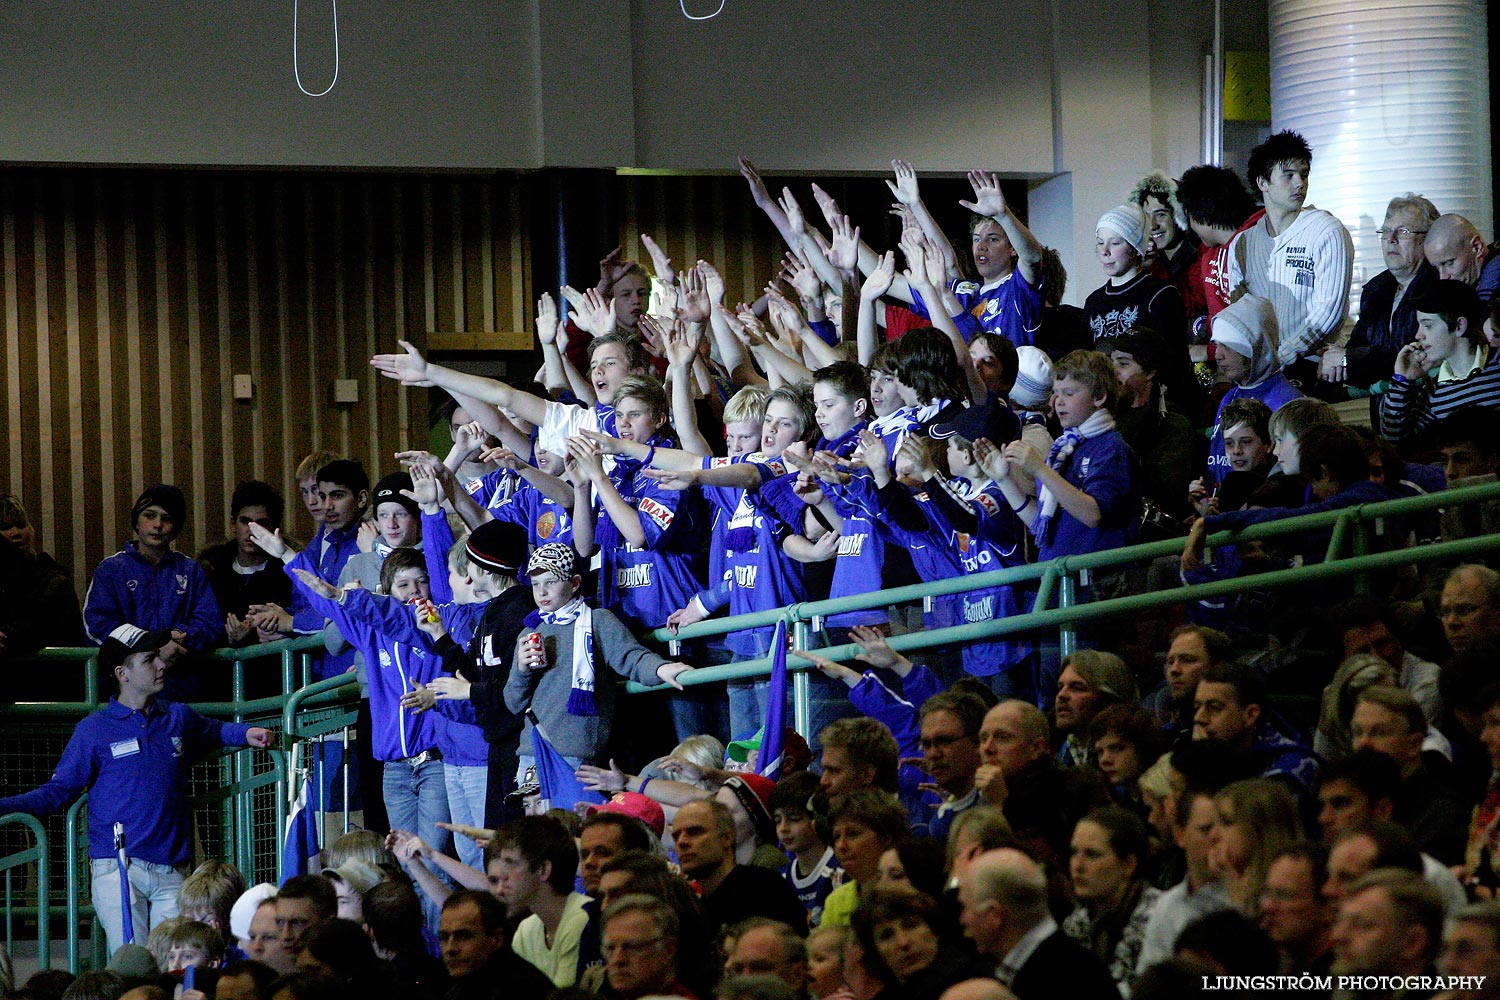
(1254, 821)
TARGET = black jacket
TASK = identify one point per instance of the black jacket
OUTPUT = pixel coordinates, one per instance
(1060, 967)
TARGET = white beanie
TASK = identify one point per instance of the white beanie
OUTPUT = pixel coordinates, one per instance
(1129, 222)
(1248, 326)
(245, 907)
(1033, 378)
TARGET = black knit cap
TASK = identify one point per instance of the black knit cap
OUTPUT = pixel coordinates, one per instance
(388, 490)
(498, 546)
(168, 498)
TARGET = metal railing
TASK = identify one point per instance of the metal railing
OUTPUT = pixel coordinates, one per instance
(1347, 554)
(39, 853)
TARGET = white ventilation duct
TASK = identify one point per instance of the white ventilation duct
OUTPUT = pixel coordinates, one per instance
(1393, 97)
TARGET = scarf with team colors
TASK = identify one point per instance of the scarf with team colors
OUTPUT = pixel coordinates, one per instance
(578, 614)
(1099, 422)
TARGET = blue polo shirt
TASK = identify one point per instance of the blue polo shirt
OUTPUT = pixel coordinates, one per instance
(135, 767)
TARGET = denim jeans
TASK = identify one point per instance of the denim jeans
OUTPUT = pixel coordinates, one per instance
(416, 799)
(747, 707)
(467, 787)
(153, 897)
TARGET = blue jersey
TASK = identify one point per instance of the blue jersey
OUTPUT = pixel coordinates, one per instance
(760, 575)
(1010, 307)
(645, 585)
(861, 554)
(1106, 469)
(544, 519)
(813, 888)
(1275, 391)
(369, 621)
(327, 554)
(493, 488)
(135, 766)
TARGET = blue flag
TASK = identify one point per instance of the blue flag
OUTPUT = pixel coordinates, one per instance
(301, 844)
(774, 734)
(127, 916)
(560, 785)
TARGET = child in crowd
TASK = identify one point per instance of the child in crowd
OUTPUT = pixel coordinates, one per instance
(1247, 450)
(148, 585)
(239, 571)
(191, 944)
(556, 678)
(1244, 341)
(414, 787)
(1087, 493)
(1134, 296)
(812, 870)
(1449, 365)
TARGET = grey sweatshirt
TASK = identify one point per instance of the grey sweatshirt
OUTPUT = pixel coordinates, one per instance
(546, 691)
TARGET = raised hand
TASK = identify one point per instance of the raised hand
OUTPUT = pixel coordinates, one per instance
(425, 489)
(681, 349)
(845, 253)
(661, 264)
(878, 652)
(826, 204)
(586, 453)
(596, 315)
(934, 262)
(800, 274)
(478, 834)
(758, 191)
(913, 453)
(905, 187)
(469, 436)
(795, 221)
(786, 322)
(609, 780)
(408, 368)
(546, 319)
(670, 479)
(270, 542)
(694, 303)
(988, 198)
(873, 453)
(713, 282)
(365, 536)
(879, 280)
(606, 444)
(317, 584)
(653, 337)
(611, 268)
(991, 459)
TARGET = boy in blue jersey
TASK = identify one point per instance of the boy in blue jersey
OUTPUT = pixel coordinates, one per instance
(812, 870)
(414, 786)
(1007, 298)
(150, 586)
(1088, 498)
(755, 574)
(646, 535)
(542, 500)
(134, 757)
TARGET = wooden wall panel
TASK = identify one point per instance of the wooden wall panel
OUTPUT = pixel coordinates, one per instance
(131, 299)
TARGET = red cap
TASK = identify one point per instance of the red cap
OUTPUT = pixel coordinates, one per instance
(635, 805)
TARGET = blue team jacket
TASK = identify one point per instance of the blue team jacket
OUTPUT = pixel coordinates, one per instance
(135, 768)
(173, 594)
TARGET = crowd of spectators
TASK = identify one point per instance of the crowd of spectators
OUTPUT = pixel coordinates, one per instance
(1283, 781)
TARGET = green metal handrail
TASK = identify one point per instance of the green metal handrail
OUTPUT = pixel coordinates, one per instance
(293, 652)
(40, 852)
(1060, 575)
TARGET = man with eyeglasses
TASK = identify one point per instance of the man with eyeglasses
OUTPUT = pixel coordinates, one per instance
(1470, 607)
(1390, 925)
(950, 724)
(1458, 252)
(640, 949)
(1387, 317)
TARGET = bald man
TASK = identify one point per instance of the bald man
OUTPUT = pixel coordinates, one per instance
(1470, 607)
(1004, 899)
(977, 989)
(1458, 252)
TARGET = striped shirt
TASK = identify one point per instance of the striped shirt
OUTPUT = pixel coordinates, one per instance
(1304, 270)
(1411, 407)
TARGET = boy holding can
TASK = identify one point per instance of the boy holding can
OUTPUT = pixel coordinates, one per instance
(556, 673)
